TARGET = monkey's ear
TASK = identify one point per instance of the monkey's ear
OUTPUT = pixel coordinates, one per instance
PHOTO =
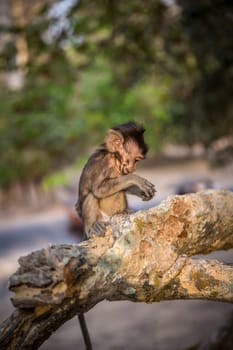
(114, 140)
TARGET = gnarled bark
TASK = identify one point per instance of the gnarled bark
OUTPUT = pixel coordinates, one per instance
(145, 257)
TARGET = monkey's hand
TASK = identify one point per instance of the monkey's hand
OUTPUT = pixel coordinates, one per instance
(145, 196)
(136, 191)
(97, 229)
(143, 189)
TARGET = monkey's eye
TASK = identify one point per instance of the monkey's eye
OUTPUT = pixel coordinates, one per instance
(137, 159)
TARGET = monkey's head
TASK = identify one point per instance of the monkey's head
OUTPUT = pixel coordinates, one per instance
(127, 143)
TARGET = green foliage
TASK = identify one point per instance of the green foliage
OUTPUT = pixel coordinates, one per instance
(57, 179)
(45, 125)
(168, 67)
(34, 132)
(103, 104)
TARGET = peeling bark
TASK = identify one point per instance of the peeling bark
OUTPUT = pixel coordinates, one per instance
(146, 256)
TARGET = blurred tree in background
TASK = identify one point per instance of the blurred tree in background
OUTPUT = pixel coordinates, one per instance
(69, 69)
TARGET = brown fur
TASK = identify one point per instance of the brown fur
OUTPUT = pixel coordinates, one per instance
(107, 176)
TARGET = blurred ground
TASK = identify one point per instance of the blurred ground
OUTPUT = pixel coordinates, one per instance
(170, 325)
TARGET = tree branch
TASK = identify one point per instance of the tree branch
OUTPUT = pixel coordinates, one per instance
(145, 257)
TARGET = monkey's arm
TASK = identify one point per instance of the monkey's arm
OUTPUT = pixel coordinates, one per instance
(109, 187)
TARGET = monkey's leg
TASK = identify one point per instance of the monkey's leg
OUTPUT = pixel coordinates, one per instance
(85, 333)
(92, 217)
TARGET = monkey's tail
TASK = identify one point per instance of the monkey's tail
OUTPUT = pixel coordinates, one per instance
(85, 333)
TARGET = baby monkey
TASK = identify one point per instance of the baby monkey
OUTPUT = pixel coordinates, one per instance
(105, 180)
(108, 176)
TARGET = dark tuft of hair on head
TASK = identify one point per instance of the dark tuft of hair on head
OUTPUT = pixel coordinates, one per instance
(135, 131)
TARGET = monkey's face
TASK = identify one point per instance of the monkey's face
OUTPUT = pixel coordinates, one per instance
(130, 154)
